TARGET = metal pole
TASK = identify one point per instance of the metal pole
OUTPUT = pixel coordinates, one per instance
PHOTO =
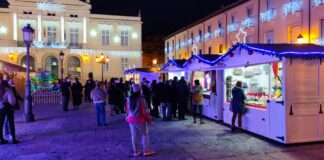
(62, 70)
(29, 116)
(102, 70)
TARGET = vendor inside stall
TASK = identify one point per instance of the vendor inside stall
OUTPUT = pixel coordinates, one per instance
(260, 83)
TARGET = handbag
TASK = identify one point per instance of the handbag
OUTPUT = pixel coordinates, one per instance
(231, 106)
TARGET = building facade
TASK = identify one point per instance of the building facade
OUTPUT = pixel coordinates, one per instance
(69, 26)
(250, 21)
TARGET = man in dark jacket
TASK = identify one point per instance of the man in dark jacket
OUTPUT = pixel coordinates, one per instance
(183, 95)
(167, 101)
(123, 93)
(65, 88)
(147, 93)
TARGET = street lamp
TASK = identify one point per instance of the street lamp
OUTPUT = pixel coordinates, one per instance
(300, 39)
(62, 69)
(102, 60)
(28, 35)
(154, 62)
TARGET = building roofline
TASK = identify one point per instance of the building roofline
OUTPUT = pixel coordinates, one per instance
(213, 14)
(115, 17)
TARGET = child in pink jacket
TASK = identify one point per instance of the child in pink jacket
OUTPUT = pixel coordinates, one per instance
(138, 117)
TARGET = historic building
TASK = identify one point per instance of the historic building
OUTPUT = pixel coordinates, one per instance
(250, 21)
(69, 26)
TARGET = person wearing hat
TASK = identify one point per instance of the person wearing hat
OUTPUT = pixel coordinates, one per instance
(138, 117)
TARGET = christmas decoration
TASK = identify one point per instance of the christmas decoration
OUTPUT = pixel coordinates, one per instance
(45, 82)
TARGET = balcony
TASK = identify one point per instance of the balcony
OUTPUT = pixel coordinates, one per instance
(61, 45)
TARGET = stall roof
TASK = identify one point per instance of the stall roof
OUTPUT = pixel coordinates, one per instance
(179, 63)
(141, 70)
(284, 50)
(204, 58)
(12, 67)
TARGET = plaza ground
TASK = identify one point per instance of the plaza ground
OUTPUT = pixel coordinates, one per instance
(74, 135)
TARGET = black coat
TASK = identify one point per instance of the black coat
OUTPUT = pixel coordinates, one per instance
(89, 86)
(65, 88)
(77, 93)
(113, 95)
(182, 91)
(168, 95)
(161, 91)
(156, 99)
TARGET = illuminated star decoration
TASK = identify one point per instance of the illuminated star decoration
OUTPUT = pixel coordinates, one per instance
(170, 55)
(194, 49)
(244, 35)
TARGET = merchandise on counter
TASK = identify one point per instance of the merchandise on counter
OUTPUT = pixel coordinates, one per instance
(238, 72)
(248, 74)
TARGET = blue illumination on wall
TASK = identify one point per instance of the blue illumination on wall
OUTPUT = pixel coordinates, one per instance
(292, 7)
(268, 15)
(232, 27)
(317, 2)
(247, 22)
(207, 36)
(219, 32)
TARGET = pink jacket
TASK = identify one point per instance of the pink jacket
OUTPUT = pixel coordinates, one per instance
(139, 114)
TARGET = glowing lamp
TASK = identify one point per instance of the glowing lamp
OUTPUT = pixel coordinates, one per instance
(93, 33)
(102, 56)
(107, 59)
(97, 59)
(300, 39)
(154, 61)
(28, 34)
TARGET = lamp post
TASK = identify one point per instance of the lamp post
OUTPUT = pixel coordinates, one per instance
(28, 35)
(62, 69)
(102, 60)
(154, 62)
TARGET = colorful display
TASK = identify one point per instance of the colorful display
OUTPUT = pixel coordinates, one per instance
(45, 82)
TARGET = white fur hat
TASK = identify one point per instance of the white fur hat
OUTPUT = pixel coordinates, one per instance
(136, 88)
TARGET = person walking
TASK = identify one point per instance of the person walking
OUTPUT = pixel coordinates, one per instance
(7, 101)
(237, 104)
(77, 94)
(174, 95)
(99, 96)
(197, 101)
(167, 102)
(65, 88)
(183, 95)
(138, 117)
(156, 99)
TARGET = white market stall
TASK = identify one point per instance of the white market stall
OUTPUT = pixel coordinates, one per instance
(199, 67)
(139, 73)
(174, 68)
(284, 84)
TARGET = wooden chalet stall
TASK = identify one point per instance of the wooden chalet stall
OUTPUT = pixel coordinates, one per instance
(284, 84)
(139, 73)
(199, 67)
(174, 68)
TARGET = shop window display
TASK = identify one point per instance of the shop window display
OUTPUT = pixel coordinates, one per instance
(260, 83)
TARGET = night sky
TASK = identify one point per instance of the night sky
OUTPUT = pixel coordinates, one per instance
(160, 17)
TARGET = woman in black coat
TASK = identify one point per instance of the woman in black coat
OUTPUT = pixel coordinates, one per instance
(77, 94)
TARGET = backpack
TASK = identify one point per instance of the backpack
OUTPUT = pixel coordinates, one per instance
(196, 97)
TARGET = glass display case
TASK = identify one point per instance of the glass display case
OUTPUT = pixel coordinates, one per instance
(260, 83)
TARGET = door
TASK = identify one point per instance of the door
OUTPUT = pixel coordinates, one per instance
(303, 100)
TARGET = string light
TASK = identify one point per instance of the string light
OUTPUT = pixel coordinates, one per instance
(268, 15)
(292, 7)
(241, 31)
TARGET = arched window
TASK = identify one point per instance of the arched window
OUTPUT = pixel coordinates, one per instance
(23, 62)
(74, 67)
(51, 65)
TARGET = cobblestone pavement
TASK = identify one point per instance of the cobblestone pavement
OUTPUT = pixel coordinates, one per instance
(74, 135)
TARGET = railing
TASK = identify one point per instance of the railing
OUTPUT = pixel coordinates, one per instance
(47, 98)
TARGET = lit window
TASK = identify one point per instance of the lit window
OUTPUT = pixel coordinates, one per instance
(124, 63)
(124, 38)
(51, 34)
(74, 37)
(105, 37)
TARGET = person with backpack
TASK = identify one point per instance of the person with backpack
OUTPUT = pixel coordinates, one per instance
(138, 117)
(197, 101)
(7, 101)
